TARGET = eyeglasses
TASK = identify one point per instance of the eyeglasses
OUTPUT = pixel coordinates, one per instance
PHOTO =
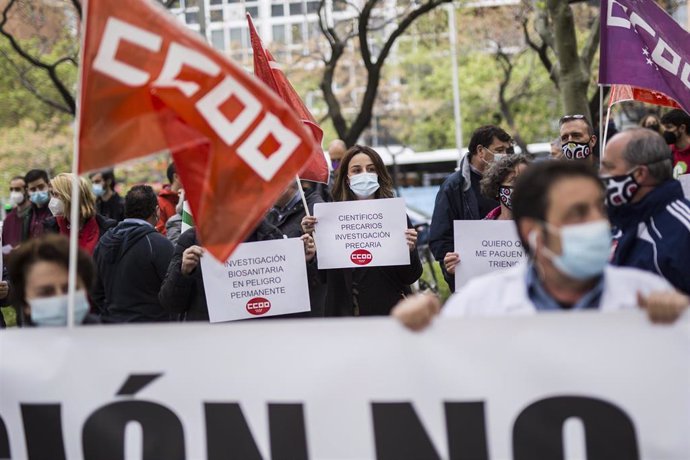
(567, 118)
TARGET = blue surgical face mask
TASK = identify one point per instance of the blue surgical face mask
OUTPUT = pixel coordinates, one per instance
(364, 185)
(586, 249)
(40, 198)
(52, 311)
(97, 189)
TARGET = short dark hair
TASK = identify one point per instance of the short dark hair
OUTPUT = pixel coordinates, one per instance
(532, 187)
(107, 175)
(499, 171)
(484, 136)
(568, 118)
(172, 170)
(48, 248)
(36, 174)
(677, 117)
(140, 202)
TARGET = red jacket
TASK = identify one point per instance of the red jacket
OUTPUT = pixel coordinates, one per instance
(167, 200)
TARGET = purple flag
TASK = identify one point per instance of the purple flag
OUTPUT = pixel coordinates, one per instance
(641, 45)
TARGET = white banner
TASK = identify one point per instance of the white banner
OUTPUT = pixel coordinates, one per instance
(265, 278)
(562, 385)
(485, 246)
(352, 234)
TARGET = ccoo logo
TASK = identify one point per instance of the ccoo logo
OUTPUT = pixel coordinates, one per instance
(361, 257)
(258, 306)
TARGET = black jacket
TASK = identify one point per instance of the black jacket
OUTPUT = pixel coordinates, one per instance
(457, 199)
(184, 295)
(114, 208)
(132, 260)
(378, 288)
(289, 219)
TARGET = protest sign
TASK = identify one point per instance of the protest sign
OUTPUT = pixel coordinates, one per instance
(365, 233)
(485, 246)
(265, 278)
(518, 388)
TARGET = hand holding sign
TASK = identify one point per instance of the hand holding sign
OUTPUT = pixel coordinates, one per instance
(309, 247)
(450, 261)
(309, 224)
(411, 237)
(190, 259)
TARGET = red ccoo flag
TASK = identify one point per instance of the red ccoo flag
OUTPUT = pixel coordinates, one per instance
(268, 71)
(621, 93)
(149, 84)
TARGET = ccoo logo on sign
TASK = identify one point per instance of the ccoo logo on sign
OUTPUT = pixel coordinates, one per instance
(361, 257)
(258, 306)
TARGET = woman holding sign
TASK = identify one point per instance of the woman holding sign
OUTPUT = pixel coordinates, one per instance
(497, 184)
(366, 291)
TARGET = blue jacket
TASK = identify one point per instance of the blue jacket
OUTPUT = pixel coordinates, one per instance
(455, 201)
(654, 234)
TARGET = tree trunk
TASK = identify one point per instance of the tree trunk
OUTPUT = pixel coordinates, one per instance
(574, 78)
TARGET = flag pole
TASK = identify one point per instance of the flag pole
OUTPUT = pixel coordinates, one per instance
(601, 120)
(304, 198)
(74, 205)
(606, 131)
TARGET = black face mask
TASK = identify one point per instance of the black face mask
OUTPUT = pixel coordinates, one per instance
(670, 137)
(654, 127)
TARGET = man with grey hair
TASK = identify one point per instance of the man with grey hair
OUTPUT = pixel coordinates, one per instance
(651, 218)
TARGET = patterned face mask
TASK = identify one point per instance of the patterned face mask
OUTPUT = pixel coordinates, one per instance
(505, 195)
(576, 150)
(620, 190)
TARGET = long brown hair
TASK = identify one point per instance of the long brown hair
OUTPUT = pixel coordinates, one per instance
(341, 187)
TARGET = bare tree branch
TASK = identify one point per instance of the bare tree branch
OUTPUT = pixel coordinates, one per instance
(50, 69)
(589, 50)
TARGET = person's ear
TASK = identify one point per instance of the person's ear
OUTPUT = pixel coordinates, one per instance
(592, 141)
(641, 175)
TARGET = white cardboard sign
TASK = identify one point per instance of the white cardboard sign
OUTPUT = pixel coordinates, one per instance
(366, 233)
(265, 278)
(485, 246)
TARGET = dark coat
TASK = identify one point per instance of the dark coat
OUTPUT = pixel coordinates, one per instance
(456, 200)
(654, 234)
(379, 288)
(114, 208)
(132, 260)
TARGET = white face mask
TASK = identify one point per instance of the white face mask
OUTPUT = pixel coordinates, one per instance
(56, 206)
(52, 311)
(16, 198)
(364, 185)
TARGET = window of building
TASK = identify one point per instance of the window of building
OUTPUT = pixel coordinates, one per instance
(279, 34)
(218, 40)
(216, 15)
(191, 18)
(297, 34)
(312, 7)
(277, 10)
(296, 8)
(253, 11)
(237, 37)
(216, 2)
(191, 3)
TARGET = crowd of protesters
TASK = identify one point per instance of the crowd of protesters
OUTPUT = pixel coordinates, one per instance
(604, 233)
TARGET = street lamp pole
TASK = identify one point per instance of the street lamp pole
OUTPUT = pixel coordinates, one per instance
(457, 117)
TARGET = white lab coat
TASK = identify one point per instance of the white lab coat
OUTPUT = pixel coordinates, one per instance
(505, 292)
